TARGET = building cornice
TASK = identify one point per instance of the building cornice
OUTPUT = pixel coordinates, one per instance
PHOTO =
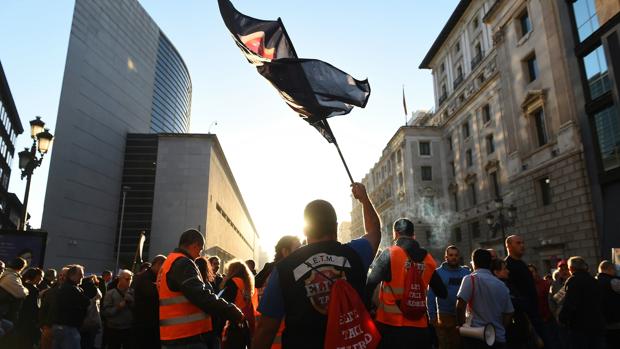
(458, 13)
(492, 12)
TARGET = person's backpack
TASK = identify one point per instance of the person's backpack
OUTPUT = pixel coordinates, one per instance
(413, 304)
(349, 324)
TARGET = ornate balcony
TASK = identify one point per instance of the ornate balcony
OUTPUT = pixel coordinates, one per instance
(458, 81)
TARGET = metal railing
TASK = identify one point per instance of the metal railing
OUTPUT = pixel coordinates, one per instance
(458, 81)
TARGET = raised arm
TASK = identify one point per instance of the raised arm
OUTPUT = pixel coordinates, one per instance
(372, 224)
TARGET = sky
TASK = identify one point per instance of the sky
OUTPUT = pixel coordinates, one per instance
(279, 162)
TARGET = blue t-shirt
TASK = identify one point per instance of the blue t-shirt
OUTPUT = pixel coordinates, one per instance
(272, 302)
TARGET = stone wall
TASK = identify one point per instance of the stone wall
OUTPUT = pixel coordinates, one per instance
(565, 227)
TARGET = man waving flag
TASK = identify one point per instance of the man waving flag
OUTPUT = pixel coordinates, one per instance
(314, 89)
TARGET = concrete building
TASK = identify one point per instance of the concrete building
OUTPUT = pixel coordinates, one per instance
(526, 114)
(122, 76)
(10, 127)
(182, 181)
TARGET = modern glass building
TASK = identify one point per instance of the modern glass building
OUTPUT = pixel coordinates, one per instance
(172, 93)
(122, 75)
(595, 29)
(10, 127)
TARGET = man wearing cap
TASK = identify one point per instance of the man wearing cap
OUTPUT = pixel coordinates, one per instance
(390, 270)
(299, 287)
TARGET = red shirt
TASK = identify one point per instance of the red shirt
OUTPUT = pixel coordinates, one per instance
(542, 289)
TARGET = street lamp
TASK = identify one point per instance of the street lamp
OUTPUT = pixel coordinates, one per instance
(120, 228)
(28, 160)
(502, 221)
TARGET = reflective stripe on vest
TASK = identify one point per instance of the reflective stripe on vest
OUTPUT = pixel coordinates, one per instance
(391, 293)
(277, 340)
(178, 317)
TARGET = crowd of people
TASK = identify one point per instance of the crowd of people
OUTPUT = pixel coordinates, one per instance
(395, 298)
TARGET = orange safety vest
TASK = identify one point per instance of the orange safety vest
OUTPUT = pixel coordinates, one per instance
(240, 300)
(390, 293)
(178, 317)
(247, 306)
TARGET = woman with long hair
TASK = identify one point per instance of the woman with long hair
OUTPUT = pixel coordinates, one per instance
(206, 271)
(238, 288)
(208, 276)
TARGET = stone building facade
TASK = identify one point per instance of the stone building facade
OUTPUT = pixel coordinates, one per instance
(546, 159)
(408, 181)
(509, 115)
(468, 111)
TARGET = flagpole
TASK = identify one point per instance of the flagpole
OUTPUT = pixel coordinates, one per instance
(405, 105)
(344, 162)
(329, 129)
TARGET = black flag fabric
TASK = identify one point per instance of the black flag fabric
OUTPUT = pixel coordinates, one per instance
(313, 88)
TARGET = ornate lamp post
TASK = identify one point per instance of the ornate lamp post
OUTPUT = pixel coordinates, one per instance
(28, 160)
(506, 217)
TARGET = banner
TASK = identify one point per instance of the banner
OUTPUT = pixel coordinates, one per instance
(29, 245)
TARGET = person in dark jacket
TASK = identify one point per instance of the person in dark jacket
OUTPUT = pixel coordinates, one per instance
(91, 327)
(522, 282)
(181, 275)
(69, 310)
(146, 305)
(27, 330)
(215, 263)
(284, 247)
(48, 297)
(610, 301)
(581, 311)
(48, 280)
(104, 279)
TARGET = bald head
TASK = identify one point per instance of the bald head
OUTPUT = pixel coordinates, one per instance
(124, 279)
(515, 246)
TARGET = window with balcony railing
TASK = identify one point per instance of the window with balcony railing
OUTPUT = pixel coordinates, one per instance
(458, 81)
(443, 98)
(478, 56)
